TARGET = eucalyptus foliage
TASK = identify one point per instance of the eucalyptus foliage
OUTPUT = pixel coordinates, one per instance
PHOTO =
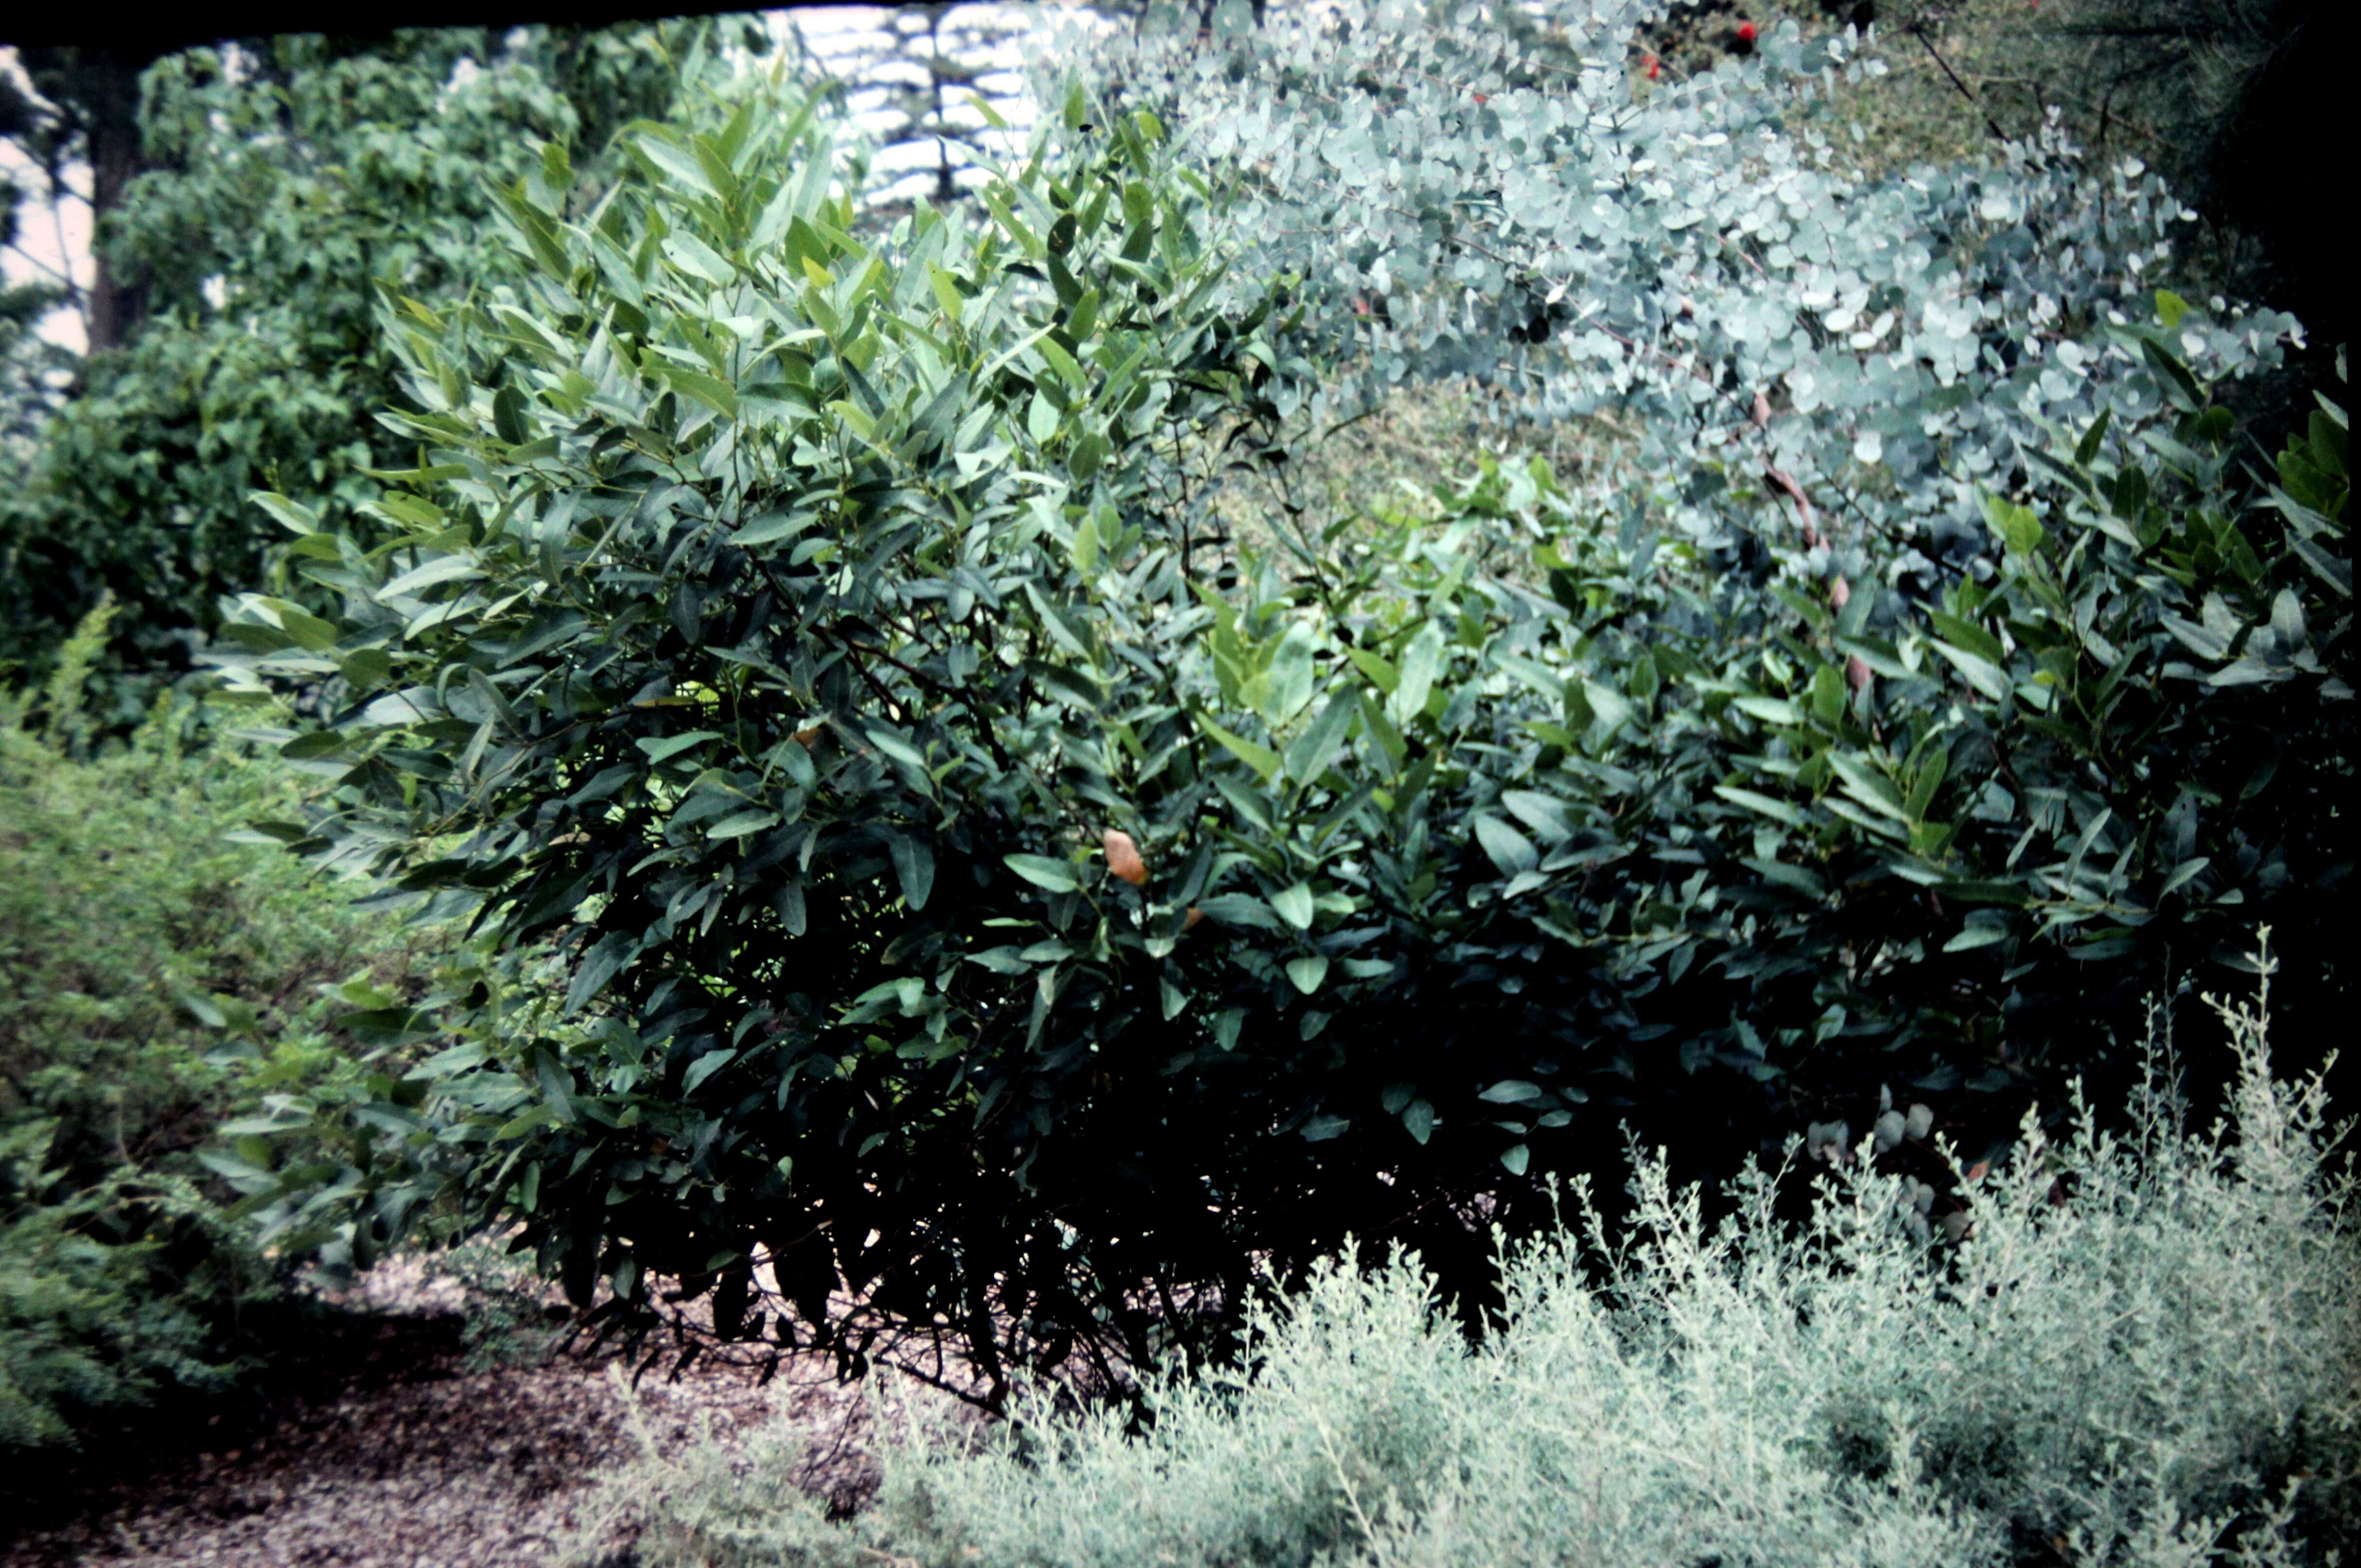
(1501, 192)
(2142, 1352)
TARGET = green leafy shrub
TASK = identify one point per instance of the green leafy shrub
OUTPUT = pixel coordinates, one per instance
(798, 609)
(109, 1293)
(1809, 385)
(2141, 1350)
(1799, 376)
(155, 980)
(1724, 854)
(2120, 734)
(960, 903)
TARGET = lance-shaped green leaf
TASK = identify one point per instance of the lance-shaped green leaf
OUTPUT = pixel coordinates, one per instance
(1421, 661)
(1308, 754)
(1510, 851)
(1057, 876)
(1779, 811)
(663, 748)
(1261, 758)
(1869, 786)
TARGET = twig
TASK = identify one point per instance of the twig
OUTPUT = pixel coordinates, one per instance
(62, 278)
(1918, 31)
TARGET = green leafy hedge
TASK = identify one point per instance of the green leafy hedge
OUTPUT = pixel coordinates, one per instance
(801, 648)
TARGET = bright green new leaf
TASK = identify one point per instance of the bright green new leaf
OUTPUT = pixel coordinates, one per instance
(1294, 903)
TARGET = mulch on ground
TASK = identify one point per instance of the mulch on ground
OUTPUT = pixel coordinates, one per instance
(393, 1449)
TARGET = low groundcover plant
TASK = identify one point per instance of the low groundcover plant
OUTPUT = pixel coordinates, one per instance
(2140, 1348)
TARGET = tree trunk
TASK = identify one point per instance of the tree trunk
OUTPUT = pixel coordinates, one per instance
(118, 301)
(94, 94)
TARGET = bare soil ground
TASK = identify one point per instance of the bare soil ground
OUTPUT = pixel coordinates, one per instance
(400, 1453)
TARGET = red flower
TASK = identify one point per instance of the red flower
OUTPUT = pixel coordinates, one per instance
(1746, 32)
(1654, 66)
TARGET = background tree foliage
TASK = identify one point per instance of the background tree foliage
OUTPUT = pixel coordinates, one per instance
(284, 183)
(81, 115)
(2220, 96)
(910, 81)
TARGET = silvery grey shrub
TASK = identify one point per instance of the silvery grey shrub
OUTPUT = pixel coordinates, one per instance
(1499, 191)
(2143, 1351)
